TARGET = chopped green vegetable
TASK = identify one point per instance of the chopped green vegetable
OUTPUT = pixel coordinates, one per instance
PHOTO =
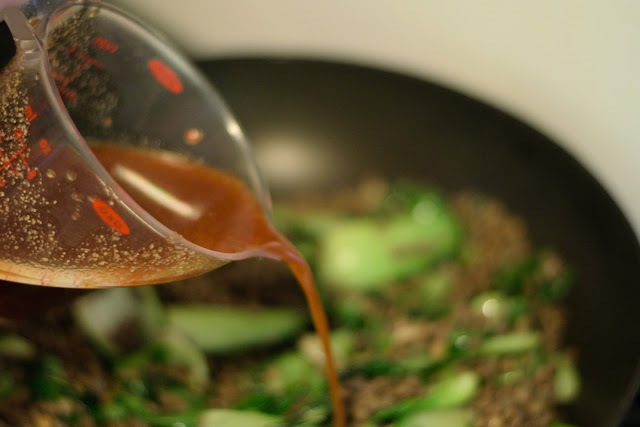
(181, 351)
(511, 278)
(511, 377)
(421, 363)
(435, 293)
(535, 360)
(48, 379)
(461, 342)
(449, 393)
(223, 329)
(354, 255)
(16, 347)
(566, 383)
(550, 286)
(172, 420)
(101, 313)
(304, 228)
(557, 288)
(496, 306)
(378, 336)
(120, 319)
(127, 408)
(152, 317)
(438, 418)
(342, 341)
(373, 368)
(124, 405)
(7, 383)
(314, 415)
(303, 224)
(509, 343)
(404, 196)
(236, 418)
(286, 402)
(350, 311)
(366, 254)
(293, 371)
(430, 230)
(560, 424)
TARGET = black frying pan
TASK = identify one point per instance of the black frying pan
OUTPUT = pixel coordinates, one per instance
(358, 121)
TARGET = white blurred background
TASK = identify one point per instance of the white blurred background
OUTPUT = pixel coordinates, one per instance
(571, 68)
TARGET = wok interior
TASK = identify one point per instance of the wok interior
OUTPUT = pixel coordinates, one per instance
(317, 125)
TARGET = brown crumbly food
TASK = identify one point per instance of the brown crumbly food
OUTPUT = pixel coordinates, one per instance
(527, 403)
(495, 235)
(364, 397)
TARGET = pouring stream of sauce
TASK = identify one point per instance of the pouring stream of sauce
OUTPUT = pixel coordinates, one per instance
(215, 210)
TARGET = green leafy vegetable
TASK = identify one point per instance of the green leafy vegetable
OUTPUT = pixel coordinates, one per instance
(509, 343)
(511, 278)
(224, 329)
(366, 254)
(566, 383)
(49, 380)
(449, 393)
(497, 307)
(438, 418)
(435, 294)
(557, 288)
(293, 371)
(235, 418)
(16, 347)
(121, 319)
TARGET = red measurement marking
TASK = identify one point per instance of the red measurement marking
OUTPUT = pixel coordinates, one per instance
(44, 144)
(165, 76)
(7, 160)
(67, 94)
(63, 81)
(87, 60)
(110, 217)
(28, 112)
(105, 44)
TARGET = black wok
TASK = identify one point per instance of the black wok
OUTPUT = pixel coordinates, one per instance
(353, 121)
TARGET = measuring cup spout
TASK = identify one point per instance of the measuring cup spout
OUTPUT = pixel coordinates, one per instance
(89, 77)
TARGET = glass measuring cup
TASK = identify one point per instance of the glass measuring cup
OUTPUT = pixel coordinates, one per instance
(85, 71)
